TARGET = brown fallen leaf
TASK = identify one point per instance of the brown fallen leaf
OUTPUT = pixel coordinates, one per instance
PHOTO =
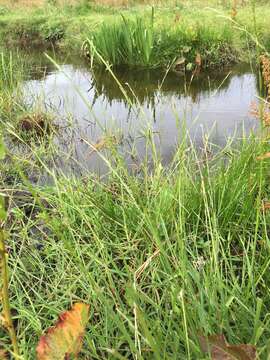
(233, 13)
(264, 156)
(219, 349)
(234, 9)
(265, 205)
(198, 60)
(103, 143)
(207, 341)
(177, 18)
(65, 338)
(3, 354)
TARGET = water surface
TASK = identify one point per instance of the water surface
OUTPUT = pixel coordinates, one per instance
(90, 103)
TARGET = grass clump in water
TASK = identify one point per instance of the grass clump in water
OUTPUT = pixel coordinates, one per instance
(22, 121)
(36, 123)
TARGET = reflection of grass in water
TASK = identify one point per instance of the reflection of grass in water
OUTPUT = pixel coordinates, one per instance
(146, 83)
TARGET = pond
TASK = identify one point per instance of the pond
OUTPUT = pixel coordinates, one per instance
(89, 103)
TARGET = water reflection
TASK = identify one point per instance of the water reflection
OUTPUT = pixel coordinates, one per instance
(92, 101)
(145, 83)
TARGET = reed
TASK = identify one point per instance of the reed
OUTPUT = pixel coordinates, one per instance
(8, 72)
(144, 42)
(126, 42)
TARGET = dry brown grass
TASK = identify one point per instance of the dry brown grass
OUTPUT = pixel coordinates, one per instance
(127, 2)
(39, 3)
(32, 3)
(263, 112)
(24, 3)
(265, 61)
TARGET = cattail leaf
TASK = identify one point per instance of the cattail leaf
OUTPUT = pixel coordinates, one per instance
(65, 338)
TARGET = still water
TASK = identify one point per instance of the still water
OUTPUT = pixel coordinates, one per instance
(87, 104)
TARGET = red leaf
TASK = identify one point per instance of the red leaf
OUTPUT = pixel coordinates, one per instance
(219, 349)
(65, 338)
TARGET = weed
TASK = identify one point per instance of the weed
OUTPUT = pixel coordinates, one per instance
(179, 251)
(262, 112)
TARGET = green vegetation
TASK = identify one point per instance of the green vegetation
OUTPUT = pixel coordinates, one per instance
(128, 42)
(161, 257)
(142, 42)
(11, 70)
(206, 28)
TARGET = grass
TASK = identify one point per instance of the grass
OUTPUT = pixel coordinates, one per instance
(12, 72)
(160, 258)
(11, 68)
(201, 26)
(142, 42)
(129, 42)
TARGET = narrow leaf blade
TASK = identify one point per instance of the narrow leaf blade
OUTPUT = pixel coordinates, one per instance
(2, 148)
(2, 208)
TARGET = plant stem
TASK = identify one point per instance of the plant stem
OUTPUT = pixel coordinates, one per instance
(5, 297)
